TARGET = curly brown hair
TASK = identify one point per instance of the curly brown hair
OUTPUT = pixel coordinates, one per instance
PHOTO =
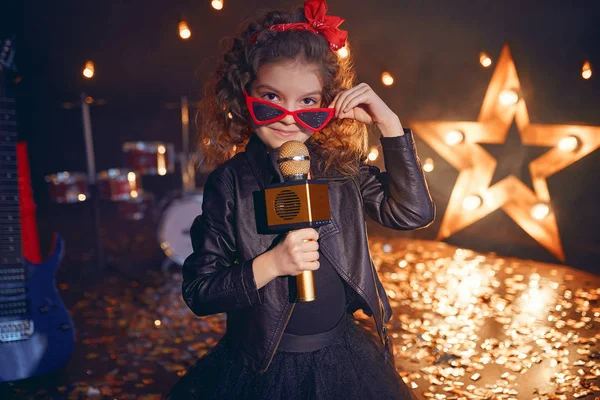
(224, 123)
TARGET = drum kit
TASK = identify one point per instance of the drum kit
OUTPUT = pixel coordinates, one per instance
(123, 187)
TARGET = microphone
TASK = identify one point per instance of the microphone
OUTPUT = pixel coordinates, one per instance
(297, 203)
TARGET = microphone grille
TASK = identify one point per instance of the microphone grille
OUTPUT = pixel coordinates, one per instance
(293, 159)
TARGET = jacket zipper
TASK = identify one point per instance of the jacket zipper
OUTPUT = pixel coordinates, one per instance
(280, 337)
(384, 336)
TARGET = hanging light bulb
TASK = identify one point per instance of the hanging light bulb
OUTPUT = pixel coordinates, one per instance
(184, 30)
(387, 79)
(454, 137)
(484, 60)
(217, 4)
(343, 52)
(88, 70)
(428, 165)
(373, 154)
(586, 70)
(509, 97)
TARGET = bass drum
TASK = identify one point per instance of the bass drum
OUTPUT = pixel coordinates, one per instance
(176, 220)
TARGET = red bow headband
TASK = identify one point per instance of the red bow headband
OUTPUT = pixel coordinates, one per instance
(318, 22)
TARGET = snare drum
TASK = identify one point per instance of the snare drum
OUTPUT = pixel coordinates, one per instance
(138, 208)
(68, 187)
(150, 158)
(118, 184)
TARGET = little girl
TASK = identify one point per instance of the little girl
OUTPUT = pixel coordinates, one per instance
(282, 80)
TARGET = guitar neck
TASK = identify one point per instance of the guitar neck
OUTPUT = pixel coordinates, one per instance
(10, 216)
(17, 209)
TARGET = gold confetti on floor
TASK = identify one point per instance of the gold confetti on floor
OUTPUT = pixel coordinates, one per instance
(468, 325)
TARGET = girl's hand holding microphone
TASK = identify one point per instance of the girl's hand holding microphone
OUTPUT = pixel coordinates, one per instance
(296, 253)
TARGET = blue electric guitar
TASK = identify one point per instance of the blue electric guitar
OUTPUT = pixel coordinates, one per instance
(36, 332)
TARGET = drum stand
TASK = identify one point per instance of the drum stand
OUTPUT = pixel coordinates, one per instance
(180, 208)
(101, 263)
(91, 169)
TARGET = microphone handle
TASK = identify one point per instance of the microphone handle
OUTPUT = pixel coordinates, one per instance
(305, 283)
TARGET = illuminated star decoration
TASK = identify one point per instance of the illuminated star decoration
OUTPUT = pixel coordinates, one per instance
(472, 197)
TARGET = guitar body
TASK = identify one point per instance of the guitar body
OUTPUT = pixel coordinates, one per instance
(36, 331)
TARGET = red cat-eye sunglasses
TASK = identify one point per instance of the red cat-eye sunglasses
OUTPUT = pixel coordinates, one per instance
(264, 112)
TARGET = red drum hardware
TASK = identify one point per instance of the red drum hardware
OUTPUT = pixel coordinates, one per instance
(122, 191)
(68, 187)
(150, 158)
(138, 208)
(118, 185)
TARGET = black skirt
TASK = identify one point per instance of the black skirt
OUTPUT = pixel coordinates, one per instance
(353, 367)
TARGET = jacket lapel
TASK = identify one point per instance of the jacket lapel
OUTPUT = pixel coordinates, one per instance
(258, 159)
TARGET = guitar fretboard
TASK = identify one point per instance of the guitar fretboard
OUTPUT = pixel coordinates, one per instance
(11, 261)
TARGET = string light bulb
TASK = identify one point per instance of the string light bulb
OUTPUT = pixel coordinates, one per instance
(184, 30)
(217, 4)
(387, 79)
(88, 70)
(586, 70)
(509, 97)
(484, 60)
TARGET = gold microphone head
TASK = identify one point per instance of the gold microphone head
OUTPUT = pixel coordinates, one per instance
(294, 160)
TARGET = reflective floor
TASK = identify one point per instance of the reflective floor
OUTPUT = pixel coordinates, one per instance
(466, 325)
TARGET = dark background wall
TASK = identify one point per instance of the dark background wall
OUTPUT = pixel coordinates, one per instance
(431, 47)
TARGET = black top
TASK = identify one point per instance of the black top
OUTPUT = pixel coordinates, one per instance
(326, 311)
(323, 313)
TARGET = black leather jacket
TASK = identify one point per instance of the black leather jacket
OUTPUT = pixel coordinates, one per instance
(218, 276)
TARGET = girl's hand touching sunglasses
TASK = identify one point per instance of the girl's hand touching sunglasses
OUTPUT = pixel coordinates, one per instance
(362, 104)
